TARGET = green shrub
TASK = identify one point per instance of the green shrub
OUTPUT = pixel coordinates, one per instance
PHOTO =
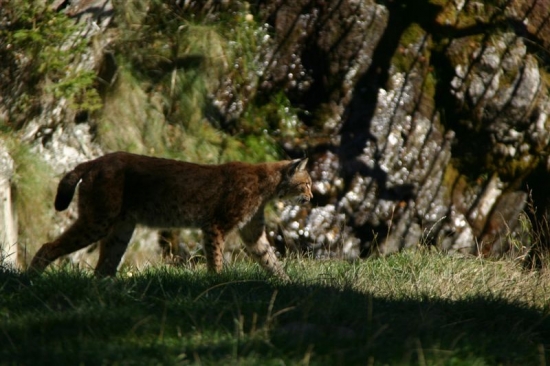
(40, 49)
(33, 188)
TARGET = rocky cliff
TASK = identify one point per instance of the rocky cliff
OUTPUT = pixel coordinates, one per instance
(426, 122)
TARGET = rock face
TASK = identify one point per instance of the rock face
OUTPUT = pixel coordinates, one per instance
(439, 118)
(8, 218)
(426, 123)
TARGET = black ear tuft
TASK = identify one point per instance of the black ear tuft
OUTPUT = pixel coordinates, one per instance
(297, 165)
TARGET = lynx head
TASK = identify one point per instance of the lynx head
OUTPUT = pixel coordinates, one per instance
(296, 182)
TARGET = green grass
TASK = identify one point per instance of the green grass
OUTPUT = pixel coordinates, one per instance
(178, 72)
(33, 195)
(39, 49)
(416, 307)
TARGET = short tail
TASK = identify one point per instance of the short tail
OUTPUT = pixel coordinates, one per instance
(67, 186)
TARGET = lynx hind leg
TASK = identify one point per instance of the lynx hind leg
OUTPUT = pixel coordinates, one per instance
(166, 239)
(173, 250)
(77, 236)
(257, 245)
(214, 240)
(112, 248)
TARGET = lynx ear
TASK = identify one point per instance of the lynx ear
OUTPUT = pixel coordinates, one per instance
(297, 165)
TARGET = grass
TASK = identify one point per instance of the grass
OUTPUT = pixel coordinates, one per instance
(171, 73)
(33, 190)
(38, 51)
(415, 307)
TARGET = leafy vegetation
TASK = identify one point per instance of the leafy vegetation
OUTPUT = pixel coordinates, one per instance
(186, 85)
(411, 308)
(40, 48)
(33, 191)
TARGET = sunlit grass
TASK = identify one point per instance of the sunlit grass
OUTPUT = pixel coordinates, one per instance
(33, 191)
(410, 308)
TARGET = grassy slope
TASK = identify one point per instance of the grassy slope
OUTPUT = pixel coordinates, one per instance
(410, 308)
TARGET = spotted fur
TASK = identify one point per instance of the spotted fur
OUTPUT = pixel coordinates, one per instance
(120, 190)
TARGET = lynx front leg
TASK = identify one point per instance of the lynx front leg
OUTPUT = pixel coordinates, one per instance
(112, 248)
(213, 248)
(257, 245)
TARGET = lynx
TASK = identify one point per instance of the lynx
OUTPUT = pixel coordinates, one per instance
(120, 190)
